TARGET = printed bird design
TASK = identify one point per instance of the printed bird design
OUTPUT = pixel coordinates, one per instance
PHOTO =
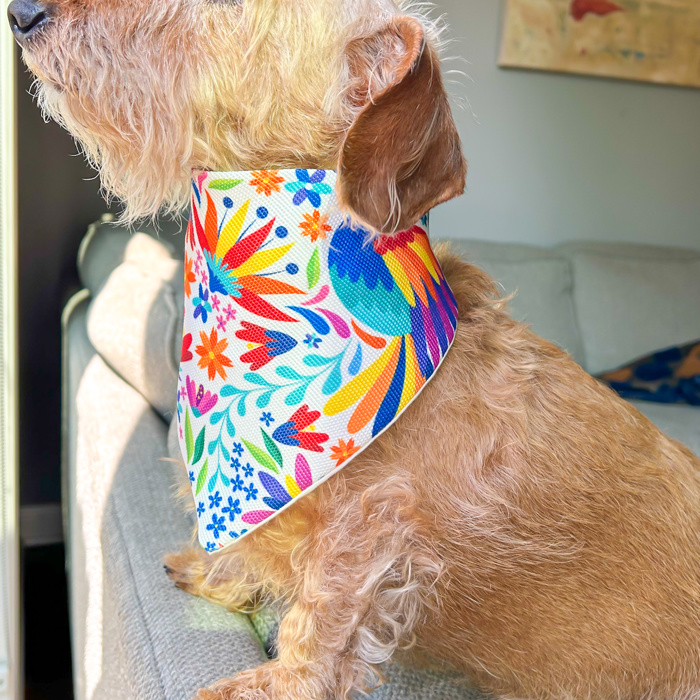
(393, 285)
(234, 261)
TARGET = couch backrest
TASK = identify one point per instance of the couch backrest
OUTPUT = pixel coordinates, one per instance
(606, 303)
(542, 282)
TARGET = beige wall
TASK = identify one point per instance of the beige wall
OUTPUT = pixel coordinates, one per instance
(555, 158)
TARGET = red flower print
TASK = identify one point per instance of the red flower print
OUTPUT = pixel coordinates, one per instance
(294, 432)
(186, 355)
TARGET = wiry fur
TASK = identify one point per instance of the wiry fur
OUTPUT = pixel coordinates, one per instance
(228, 86)
(519, 522)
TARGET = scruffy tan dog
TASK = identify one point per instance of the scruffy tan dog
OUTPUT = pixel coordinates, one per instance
(565, 562)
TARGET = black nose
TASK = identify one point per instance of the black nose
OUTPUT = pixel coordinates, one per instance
(26, 16)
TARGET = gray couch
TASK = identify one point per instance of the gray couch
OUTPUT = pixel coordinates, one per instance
(136, 636)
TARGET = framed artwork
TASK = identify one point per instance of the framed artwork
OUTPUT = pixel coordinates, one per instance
(651, 40)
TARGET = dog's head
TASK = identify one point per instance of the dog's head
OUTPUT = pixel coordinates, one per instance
(154, 88)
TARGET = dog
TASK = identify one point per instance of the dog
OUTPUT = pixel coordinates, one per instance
(519, 522)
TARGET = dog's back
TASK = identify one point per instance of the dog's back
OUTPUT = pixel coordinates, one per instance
(568, 523)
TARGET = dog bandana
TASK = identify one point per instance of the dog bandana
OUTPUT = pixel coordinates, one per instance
(304, 339)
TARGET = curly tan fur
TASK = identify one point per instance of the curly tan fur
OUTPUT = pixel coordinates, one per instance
(565, 561)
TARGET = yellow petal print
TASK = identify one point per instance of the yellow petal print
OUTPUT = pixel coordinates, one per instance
(262, 260)
(351, 393)
(397, 272)
(292, 486)
(231, 231)
(409, 382)
(420, 251)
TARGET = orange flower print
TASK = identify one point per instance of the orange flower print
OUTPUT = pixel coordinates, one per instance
(189, 276)
(315, 225)
(343, 451)
(211, 354)
(266, 181)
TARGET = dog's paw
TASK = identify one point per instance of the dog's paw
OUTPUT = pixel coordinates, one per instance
(244, 686)
(187, 568)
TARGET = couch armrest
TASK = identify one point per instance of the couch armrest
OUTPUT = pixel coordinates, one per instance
(134, 635)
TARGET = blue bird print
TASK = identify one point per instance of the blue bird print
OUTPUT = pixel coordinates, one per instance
(394, 286)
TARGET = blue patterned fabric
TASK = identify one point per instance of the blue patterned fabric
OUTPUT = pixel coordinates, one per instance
(667, 376)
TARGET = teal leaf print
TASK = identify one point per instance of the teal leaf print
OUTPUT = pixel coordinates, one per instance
(317, 360)
(230, 428)
(288, 373)
(254, 378)
(216, 417)
(297, 396)
(263, 401)
(332, 384)
(313, 269)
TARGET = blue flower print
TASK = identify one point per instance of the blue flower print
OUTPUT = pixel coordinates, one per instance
(210, 547)
(309, 187)
(200, 508)
(235, 463)
(236, 483)
(191, 475)
(251, 492)
(267, 418)
(236, 535)
(237, 449)
(312, 340)
(201, 304)
(217, 525)
(248, 471)
(215, 500)
(233, 508)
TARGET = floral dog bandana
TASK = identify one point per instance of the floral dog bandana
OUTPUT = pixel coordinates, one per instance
(304, 339)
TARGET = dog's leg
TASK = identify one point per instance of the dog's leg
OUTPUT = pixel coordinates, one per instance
(215, 579)
(368, 583)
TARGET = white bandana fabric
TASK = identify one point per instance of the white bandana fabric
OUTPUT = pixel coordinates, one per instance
(304, 339)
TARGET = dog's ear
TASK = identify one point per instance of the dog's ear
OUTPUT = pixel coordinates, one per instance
(402, 155)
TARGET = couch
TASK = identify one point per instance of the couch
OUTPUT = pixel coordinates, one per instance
(135, 635)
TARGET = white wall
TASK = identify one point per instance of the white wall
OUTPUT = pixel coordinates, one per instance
(556, 158)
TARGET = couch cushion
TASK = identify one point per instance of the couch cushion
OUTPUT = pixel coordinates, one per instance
(134, 634)
(628, 307)
(106, 243)
(135, 320)
(542, 283)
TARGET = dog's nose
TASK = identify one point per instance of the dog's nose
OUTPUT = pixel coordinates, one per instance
(26, 16)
